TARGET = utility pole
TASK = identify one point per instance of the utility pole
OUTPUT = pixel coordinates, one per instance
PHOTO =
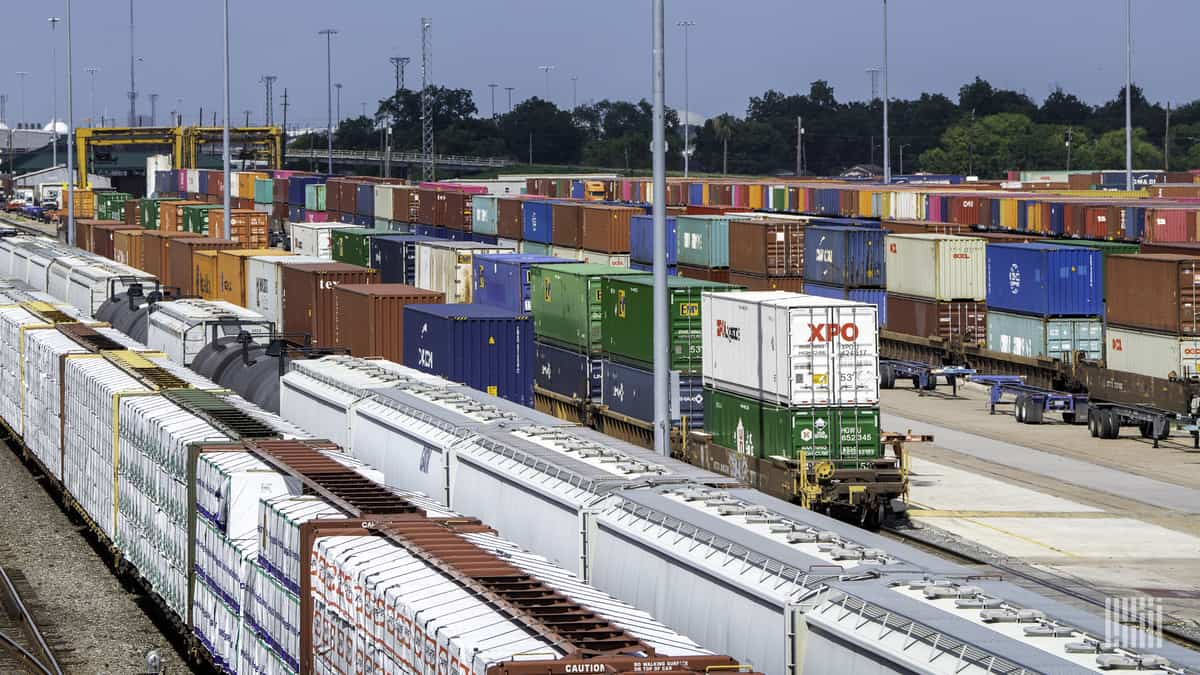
(546, 71)
(531, 148)
(269, 82)
(70, 137)
(574, 92)
(687, 151)
(91, 71)
(1167, 141)
(1128, 94)
(493, 86)
(338, 118)
(1070, 137)
(329, 33)
(902, 146)
(428, 171)
(21, 75)
(225, 134)
(510, 91)
(153, 109)
(132, 86)
(662, 378)
(247, 113)
(285, 127)
(54, 88)
(887, 140)
(799, 145)
(400, 62)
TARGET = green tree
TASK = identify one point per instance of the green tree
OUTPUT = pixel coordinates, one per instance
(1063, 108)
(722, 127)
(552, 133)
(356, 133)
(1108, 151)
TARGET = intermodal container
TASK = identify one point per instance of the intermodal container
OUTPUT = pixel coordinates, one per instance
(101, 236)
(395, 256)
(1106, 247)
(538, 219)
(354, 244)
(204, 274)
(264, 284)
(448, 266)
(565, 219)
(869, 296)
(484, 213)
(1045, 280)
(761, 429)
(851, 257)
(315, 239)
(127, 247)
(179, 268)
(248, 227)
(952, 320)
(767, 247)
(753, 282)
(195, 218)
(171, 215)
(486, 348)
(791, 349)
(369, 318)
(629, 391)
(502, 279)
(641, 240)
(605, 229)
(567, 302)
(1157, 292)
(156, 250)
(364, 200)
(937, 266)
(568, 373)
(232, 278)
(1152, 354)
(703, 241)
(299, 189)
(510, 218)
(628, 319)
(1040, 336)
(308, 296)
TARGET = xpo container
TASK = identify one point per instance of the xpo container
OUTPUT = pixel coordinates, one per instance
(395, 256)
(838, 255)
(486, 348)
(703, 240)
(567, 303)
(1152, 354)
(307, 296)
(502, 279)
(794, 350)
(448, 266)
(757, 428)
(1038, 336)
(369, 318)
(627, 322)
(1045, 280)
(937, 266)
(1157, 292)
(315, 239)
(264, 283)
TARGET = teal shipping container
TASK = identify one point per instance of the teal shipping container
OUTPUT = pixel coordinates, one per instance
(483, 214)
(703, 240)
(314, 197)
(1035, 336)
(535, 248)
(264, 190)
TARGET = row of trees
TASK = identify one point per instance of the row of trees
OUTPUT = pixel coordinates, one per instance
(987, 131)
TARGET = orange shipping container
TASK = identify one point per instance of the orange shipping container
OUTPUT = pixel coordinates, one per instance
(204, 274)
(248, 227)
(170, 215)
(127, 247)
(605, 229)
(180, 267)
(231, 272)
(369, 318)
(156, 248)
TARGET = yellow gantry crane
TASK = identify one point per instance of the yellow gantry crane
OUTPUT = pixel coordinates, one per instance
(185, 143)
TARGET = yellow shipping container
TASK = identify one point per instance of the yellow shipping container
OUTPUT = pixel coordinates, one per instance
(85, 203)
(1008, 213)
(231, 271)
(756, 196)
(205, 276)
(245, 183)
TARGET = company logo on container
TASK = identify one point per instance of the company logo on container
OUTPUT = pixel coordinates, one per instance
(731, 333)
(1117, 346)
(961, 256)
(1014, 279)
(826, 332)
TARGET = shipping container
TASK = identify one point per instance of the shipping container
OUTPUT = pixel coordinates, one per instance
(353, 244)
(851, 257)
(205, 282)
(1040, 336)
(502, 279)
(767, 247)
(537, 219)
(487, 348)
(315, 239)
(627, 311)
(484, 214)
(180, 267)
(101, 236)
(753, 282)
(1152, 354)
(641, 240)
(233, 282)
(172, 215)
(510, 218)
(718, 274)
(791, 349)
(1045, 280)
(1106, 247)
(127, 247)
(395, 256)
(314, 196)
(1156, 292)
(567, 303)
(565, 224)
(703, 241)
(156, 250)
(567, 372)
(605, 229)
(148, 212)
(369, 318)
(536, 248)
(953, 320)
(308, 296)
(195, 218)
(760, 429)
(247, 227)
(628, 390)
(869, 296)
(937, 266)
(264, 283)
(448, 267)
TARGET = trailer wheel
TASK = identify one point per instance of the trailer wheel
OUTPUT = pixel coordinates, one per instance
(887, 376)
(1019, 409)
(1033, 410)
(1094, 422)
(1146, 429)
(1068, 418)
(1110, 424)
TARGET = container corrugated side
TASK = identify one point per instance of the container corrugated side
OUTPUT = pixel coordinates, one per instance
(1152, 354)
(1035, 336)
(937, 266)
(851, 257)
(1045, 280)
(703, 241)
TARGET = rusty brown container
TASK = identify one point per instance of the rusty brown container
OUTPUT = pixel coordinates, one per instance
(248, 227)
(755, 282)
(958, 321)
(453, 210)
(333, 195)
(180, 269)
(427, 207)
(102, 232)
(1158, 292)
(369, 318)
(565, 222)
(279, 191)
(605, 229)
(1190, 249)
(170, 215)
(767, 247)
(131, 211)
(308, 305)
(155, 247)
(347, 196)
(718, 274)
(127, 247)
(404, 204)
(925, 227)
(83, 233)
(510, 218)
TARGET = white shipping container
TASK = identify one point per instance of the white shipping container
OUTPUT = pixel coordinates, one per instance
(593, 257)
(193, 181)
(384, 195)
(937, 266)
(1152, 354)
(792, 349)
(264, 286)
(446, 266)
(314, 239)
(184, 327)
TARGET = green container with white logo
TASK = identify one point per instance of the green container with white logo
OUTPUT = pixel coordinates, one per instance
(848, 434)
(565, 301)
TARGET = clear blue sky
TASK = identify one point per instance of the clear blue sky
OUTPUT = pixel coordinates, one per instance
(738, 49)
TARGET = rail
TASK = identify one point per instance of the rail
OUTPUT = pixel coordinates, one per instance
(401, 158)
(44, 661)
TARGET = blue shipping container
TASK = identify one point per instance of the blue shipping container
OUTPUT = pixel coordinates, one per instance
(424, 230)
(484, 238)
(502, 279)
(486, 348)
(641, 240)
(870, 296)
(297, 185)
(395, 256)
(672, 270)
(695, 194)
(537, 221)
(1045, 280)
(296, 214)
(364, 221)
(566, 372)
(364, 200)
(850, 257)
(629, 391)
(577, 189)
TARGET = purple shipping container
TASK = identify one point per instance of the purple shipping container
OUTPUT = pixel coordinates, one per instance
(850, 257)
(487, 348)
(641, 240)
(181, 180)
(537, 221)
(502, 279)
(364, 201)
(1045, 280)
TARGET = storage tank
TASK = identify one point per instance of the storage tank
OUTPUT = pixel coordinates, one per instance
(127, 311)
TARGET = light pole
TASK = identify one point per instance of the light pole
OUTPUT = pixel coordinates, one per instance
(338, 116)
(887, 141)
(21, 75)
(574, 92)
(510, 91)
(687, 151)
(546, 70)
(54, 87)
(91, 71)
(902, 147)
(1128, 94)
(70, 138)
(329, 33)
(662, 416)
(225, 134)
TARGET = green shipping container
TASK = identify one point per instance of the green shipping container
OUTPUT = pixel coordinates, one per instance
(628, 320)
(1106, 247)
(703, 240)
(111, 205)
(765, 430)
(195, 218)
(535, 248)
(148, 212)
(264, 190)
(566, 303)
(353, 244)
(314, 197)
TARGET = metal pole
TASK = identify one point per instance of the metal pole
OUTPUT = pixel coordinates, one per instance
(225, 133)
(546, 70)
(338, 86)
(70, 138)
(686, 106)
(1128, 94)
(662, 378)
(132, 86)
(21, 75)
(493, 88)
(92, 95)
(574, 92)
(887, 141)
(510, 91)
(1167, 141)
(329, 33)
(54, 88)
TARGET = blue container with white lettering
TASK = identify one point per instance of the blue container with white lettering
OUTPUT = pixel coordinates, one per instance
(850, 257)
(1046, 280)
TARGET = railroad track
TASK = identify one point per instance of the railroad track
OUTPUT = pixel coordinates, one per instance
(25, 645)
